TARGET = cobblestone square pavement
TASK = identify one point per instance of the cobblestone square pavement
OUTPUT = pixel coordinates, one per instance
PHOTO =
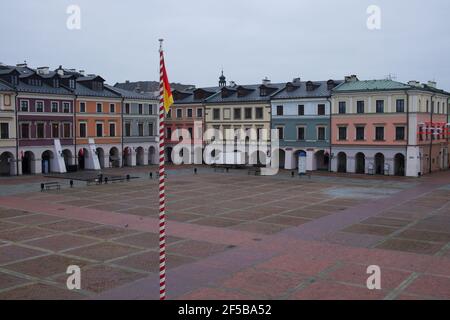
(231, 236)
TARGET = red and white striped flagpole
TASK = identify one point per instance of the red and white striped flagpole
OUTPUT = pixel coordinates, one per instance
(162, 194)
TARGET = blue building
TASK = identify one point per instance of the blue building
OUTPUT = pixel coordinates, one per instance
(301, 114)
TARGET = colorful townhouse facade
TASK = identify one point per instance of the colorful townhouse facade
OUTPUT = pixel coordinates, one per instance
(62, 120)
(8, 152)
(185, 123)
(98, 124)
(237, 109)
(44, 119)
(139, 128)
(301, 114)
(376, 128)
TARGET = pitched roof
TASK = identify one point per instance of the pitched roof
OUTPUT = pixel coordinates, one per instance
(84, 91)
(43, 89)
(149, 86)
(189, 95)
(371, 85)
(251, 93)
(299, 90)
(5, 87)
(132, 94)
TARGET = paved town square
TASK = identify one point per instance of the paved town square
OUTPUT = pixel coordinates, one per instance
(230, 236)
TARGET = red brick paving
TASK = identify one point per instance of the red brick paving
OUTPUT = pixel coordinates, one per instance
(324, 290)
(259, 245)
(432, 286)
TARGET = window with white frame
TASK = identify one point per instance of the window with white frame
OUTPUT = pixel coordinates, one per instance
(66, 107)
(39, 106)
(55, 106)
(24, 105)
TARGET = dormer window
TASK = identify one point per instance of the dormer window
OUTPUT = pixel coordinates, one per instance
(98, 86)
(199, 95)
(330, 84)
(242, 92)
(289, 87)
(309, 86)
(34, 82)
(14, 80)
(263, 92)
(225, 92)
(55, 83)
(72, 83)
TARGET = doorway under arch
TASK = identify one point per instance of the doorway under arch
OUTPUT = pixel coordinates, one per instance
(68, 159)
(399, 164)
(7, 167)
(114, 158)
(152, 155)
(46, 161)
(379, 163)
(140, 156)
(342, 162)
(28, 163)
(360, 163)
(83, 153)
(322, 160)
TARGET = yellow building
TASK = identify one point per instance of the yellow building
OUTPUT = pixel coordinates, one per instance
(240, 107)
(8, 150)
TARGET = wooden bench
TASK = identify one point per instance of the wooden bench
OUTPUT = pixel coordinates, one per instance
(50, 185)
(114, 179)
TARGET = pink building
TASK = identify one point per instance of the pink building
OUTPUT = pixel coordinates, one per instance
(377, 126)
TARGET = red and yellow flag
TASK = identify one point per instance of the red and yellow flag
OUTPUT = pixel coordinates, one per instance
(166, 93)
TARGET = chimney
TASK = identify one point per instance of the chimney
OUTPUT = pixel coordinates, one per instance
(432, 84)
(81, 72)
(42, 70)
(414, 83)
(232, 84)
(127, 81)
(22, 65)
(352, 78)
(296, 80)
(266, 81)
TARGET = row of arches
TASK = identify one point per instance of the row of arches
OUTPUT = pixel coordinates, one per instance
(28, 164)
(257, 157)
(321, 159)
(377, 167)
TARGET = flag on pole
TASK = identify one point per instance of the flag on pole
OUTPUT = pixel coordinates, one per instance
(165, 101)
(167, 93)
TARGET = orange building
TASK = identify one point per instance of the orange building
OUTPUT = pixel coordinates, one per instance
(98, 119)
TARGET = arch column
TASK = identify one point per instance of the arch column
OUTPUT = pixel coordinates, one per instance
(289, 159)
(310, 163)
(351, 164)
(145, 156)
(106, 161)
(18, 168)
(37, 163)
(133, 157)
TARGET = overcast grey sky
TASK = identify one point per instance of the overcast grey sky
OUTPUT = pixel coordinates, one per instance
(251, 39)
